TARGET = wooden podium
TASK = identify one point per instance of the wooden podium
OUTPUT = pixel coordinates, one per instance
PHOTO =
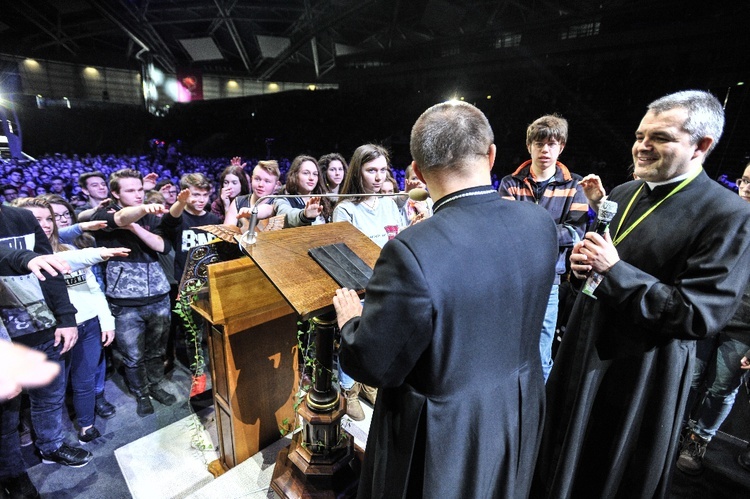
(252, 307)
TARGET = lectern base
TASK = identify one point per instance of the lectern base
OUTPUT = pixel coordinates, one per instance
(289, 482)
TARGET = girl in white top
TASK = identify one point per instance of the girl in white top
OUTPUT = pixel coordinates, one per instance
(378, 218)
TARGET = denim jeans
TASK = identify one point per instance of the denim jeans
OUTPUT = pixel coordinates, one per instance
(141, 338)
(101, 373)
(724, 377)
(11, 460)
(548, 331)
(83, 365)
(47, 402)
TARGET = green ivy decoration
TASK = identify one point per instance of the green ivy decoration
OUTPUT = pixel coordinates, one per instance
(183, 309)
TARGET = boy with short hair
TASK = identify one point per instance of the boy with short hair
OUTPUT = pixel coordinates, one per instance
(547, 182)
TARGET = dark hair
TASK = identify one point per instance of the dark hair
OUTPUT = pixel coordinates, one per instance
(114, 179)
(292, 176)
(238, 172)
(292, 183)
(352, 183)
(85, 176)
(85, 240)
(325, 161)
(162, 183)
(396, 187)
(550, 126)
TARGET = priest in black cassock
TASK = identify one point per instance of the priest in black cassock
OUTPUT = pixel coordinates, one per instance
(674, 267)
(450, 328)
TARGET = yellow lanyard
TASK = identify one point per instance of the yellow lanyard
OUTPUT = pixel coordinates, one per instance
(619, 237)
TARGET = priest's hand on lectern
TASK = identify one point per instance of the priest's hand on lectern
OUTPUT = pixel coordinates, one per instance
(347, 305)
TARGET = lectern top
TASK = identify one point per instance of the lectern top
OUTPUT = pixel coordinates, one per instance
(283, 258)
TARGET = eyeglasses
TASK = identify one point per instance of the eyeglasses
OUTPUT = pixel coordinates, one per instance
(60, 216)
(170, 191)
(742, 181)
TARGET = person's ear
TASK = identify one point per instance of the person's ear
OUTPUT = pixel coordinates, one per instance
(492, 154)
(702, 147)
(417, 172)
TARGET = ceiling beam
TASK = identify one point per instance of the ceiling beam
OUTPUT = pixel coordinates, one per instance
(45, 25)
(229, 23)
(315, 26)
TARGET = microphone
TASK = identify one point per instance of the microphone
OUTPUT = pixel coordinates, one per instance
(416, 194)
(607, 212)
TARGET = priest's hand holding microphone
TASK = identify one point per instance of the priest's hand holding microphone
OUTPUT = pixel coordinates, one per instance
(593, 256)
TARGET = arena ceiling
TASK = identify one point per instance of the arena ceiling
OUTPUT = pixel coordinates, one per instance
(329, 40)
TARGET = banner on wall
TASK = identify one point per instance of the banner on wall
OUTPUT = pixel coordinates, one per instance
(189, 85)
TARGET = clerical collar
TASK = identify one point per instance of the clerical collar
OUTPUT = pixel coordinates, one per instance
(463, 193)
(678, 178)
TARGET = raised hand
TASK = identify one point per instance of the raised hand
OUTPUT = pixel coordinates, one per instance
(149, 181)
(313, 208)
(237, 161)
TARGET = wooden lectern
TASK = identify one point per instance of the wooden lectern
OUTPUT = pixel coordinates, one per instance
(252, 307)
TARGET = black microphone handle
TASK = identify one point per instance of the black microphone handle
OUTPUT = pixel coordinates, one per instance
(601, 226)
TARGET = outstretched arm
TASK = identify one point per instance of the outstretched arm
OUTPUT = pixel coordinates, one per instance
(131, 214)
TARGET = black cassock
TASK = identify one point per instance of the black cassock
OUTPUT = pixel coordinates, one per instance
(617, 391)
(450, 333)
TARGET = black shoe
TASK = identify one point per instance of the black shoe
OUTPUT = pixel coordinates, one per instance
(163, 396)
(67, 455)
(103, 408)
(19, 487)
(89, 435)
(690, 459)
(144, 406)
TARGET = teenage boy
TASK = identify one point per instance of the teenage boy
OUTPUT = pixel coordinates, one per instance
(547, 182)
(94, 186)
(186, 213)
(137, 287)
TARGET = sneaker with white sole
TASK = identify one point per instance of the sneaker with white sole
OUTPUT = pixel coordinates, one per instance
(67, 455)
